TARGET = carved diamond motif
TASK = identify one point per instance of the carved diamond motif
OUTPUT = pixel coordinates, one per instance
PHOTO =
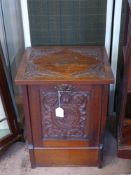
(58, 62)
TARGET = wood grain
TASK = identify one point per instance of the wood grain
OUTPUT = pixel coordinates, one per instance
(81, 75)
(44, 64)
(124, 112)
(76, 157)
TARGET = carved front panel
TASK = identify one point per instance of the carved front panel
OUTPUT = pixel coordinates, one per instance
(76, 110)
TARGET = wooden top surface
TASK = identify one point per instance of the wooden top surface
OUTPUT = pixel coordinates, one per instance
(64, 63)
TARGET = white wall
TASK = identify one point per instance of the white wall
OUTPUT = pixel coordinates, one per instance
(26, 27)
(115, 49)
(115, 42)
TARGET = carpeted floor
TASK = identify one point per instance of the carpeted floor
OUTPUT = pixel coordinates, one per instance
(15, 161)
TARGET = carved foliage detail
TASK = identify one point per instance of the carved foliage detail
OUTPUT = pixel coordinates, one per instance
(65, 87)
(63, 63)
(74, 123)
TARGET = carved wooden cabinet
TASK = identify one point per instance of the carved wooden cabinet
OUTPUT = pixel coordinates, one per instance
(124, 112)
(75, 79)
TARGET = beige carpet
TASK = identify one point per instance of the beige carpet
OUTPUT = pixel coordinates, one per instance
(15, 161)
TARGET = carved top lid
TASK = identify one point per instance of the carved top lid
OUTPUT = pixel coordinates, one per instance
(65, 63)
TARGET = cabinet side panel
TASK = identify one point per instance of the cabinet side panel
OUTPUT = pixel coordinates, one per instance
(35, 112)
(95, 115)
(104, 107)
(28, 123)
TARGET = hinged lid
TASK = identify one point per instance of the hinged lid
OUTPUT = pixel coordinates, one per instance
(66, 63)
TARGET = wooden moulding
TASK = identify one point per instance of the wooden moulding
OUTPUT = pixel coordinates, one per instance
(66, 157)
(124, 152)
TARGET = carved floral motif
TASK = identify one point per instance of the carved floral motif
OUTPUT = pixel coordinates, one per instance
(74, 123)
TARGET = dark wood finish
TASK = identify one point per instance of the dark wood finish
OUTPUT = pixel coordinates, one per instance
(8, 107)
(104, 108)
(124, 152)
(64, 157)
(124, 113)
(79, 64)
(81, 75)
(28, 123)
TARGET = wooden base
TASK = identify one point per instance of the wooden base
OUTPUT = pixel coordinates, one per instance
(124, 149)
(124, 152)
(66, 157)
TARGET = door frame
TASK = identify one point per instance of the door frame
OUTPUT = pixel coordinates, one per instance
(8, 106)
